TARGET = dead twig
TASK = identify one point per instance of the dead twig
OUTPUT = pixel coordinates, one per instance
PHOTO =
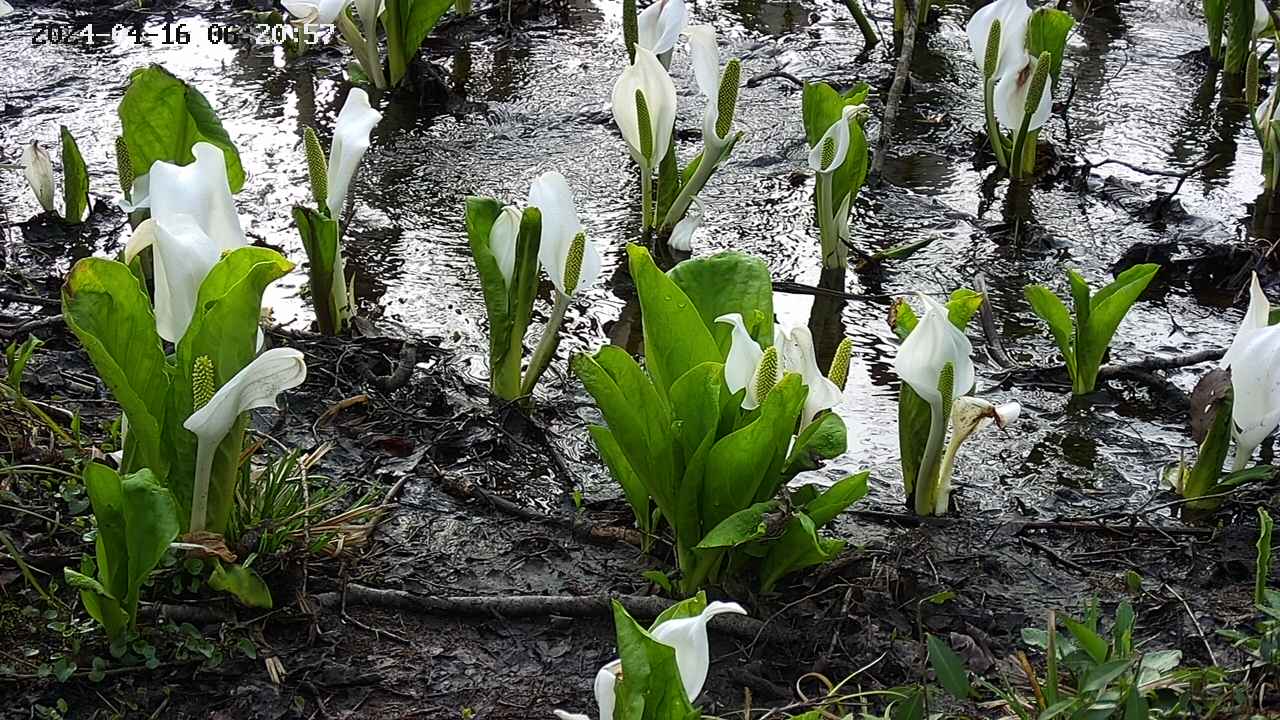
(1181, 176)
(753, 82)
(994, 344)
(895, 97)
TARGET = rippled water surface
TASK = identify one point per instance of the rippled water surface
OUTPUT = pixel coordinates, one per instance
(516, 107)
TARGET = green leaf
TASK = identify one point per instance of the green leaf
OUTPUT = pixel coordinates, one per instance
(508, 308)
(739, 464)
(949, 668)
(1262, 563)
(1204, 477)
(823, 439)
(650, 687)
(675, 337)
(961, 307)
(324, 268)
(1047, 31)
(1055, 314)
(1090, 641)
(75, 180)
(408, 22)
(798, 548)
(109, 312)
(687, 608)
(99, 603)
(1108, 308)
(821, 106)
(739, 528)
(223, 328)
(824, 508)
(151, 523)
(1215, 13)
(241, 582)
(669, 180)
(1100, 676)
(729, 282)
(106, 496)
(620, 469)
(914, 418)
(163, 117)
(1239, 34)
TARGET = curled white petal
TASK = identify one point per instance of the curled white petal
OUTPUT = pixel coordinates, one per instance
(682, 234)
(1255, 318)
(323, 12)
(255, 386)
(1013, 16)
(182, 255)
(350, 141)
(502, 241)
(823, 393)
(201, 190)
(839, 134)
(551, 194)
(704, 55)
(660, 25)
(743, 358)
(933, 343)
(689, 638)
(650, 78)
(37, 168)
(1255, 385)
(5, 8)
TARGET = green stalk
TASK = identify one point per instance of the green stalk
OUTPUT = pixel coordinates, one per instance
(546, 345)
(706, 166)
(899, 16)
(462, 7)
(993, 127)
(703, 563)
(829, 237)
(927, 479)
(869, 36)
(922, 14)
(646, 199)
(397, 58)
(1039, 83)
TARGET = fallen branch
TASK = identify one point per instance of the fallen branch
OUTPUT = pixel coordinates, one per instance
(1066, 525)
(1136, 368)
(795, 288)
(1180, 175)
(752, 82)
(994, 344)
(895, 97)
(641, 607)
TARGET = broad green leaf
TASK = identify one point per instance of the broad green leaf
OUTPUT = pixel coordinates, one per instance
(687, 608)
(98, 603)
(620, 469)
(1055, 314)
(508, 308)
(419, 19)
(109, 312)
(1135, 706)
(1109, 306)
(75, 180)
(739, 528)
(821, 106)
(824, 508)
(1204, 476)
(738, 465)
(241, 582)
(961, 307)
(650, 687)
(1122, 630)
(675, 337)
(1215, 13)
(914, 417)
(106, 497)
(1047, 31)
(1240, 15)
(729, 282)
(163, 117)
(151, 523)
(1100, 676)
(823, 439)
(949, 668)
(1090, 641)
(695, 405)
(1081, 299)
(798, 548)
(324, 269)
(224, 328)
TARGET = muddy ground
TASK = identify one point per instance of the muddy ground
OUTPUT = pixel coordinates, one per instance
(484, 495)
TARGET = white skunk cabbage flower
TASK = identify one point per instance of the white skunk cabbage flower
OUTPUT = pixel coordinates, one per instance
(969, 415)
(829, 153)
(758, 370)
(660, 25)
(5, 8)
(322, 12)
(1009, 99)
(255, 386)
(37, 168)
(688, 636)
(182, 255)
(644, 108)
(1254, 360)
(1261, 17)
(350, 140)
(1014, 15)
(502, 240)
(717, 119)
(933, 343)
(571, 260)
(682, 234)
(200, 190)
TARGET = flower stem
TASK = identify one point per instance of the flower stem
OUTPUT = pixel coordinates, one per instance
(1243, 456)
(706, 166)
(927, 477)
(546, 345)
(993, 127)
(827, 223)
(646, 199)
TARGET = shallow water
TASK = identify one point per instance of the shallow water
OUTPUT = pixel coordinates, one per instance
(539, 102)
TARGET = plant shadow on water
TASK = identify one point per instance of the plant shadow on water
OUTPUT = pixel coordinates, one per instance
(505, 109)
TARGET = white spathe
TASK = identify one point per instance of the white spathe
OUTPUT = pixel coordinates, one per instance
(37, 168)
(1254, 360)
(1261, 17)
(550, 193)
(933, 343)
(968, 415)
(800, 357)
(1013, 16)
(839, 134)
(200, 190)
(795, 354)
(682, 234)
(502, 240)
(323, 12)
(649, 78)
(350, 141)
(688, 637)
(704, 55)
(255, 386)
(660, 25)
(1009, 99)
(5, 8)
(182, 255)
(742, 364)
